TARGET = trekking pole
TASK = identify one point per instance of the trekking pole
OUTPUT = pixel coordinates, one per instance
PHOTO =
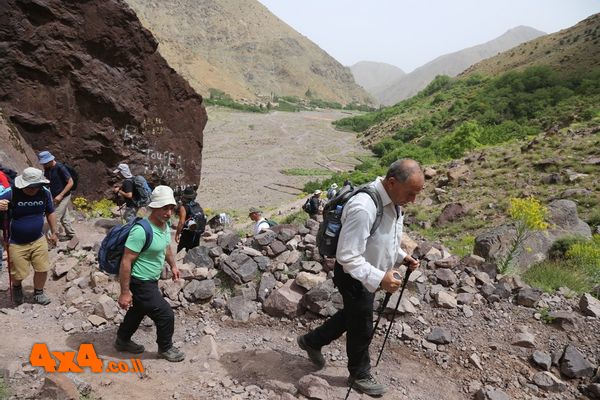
(397, 276)
(5, 237)
(384, 303)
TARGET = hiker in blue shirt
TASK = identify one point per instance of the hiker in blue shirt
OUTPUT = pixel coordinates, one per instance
(29, 202)
(61, 183)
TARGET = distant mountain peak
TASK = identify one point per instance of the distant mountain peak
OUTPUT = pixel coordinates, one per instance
(451, 64)
(372, 74)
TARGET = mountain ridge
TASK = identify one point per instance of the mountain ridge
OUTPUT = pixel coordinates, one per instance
(451, 64)
(242, 49)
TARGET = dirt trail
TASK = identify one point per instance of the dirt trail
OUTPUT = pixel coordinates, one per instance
(244, 154)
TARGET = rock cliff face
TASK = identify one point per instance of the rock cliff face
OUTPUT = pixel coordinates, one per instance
(84, 80)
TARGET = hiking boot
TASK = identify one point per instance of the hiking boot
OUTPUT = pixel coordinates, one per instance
(129, 347)
(313, 354)
(172, 355)
(41, 298)
(18, 295)
(367, 385)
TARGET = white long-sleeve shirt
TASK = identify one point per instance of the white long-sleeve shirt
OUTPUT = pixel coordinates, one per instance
(261, 225)
(366, 258)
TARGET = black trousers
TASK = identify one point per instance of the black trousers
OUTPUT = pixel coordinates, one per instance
(147, 300)
(356, 319)
(188, 240)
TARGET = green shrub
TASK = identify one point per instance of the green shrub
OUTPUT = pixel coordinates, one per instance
(586, 256)
(297, 218)
(5, 391)
(98, 208)
(594, 218)
(559, 248)
(551, 275)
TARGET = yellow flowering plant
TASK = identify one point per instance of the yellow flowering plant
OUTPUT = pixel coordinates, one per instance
(529, 215)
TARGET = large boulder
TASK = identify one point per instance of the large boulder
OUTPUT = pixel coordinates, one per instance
(323, 299)
(199, 290)
(285, 301)
(199, 257)
(240, 267)
(450, 213)
(241, 308)
(564, 221)
(92, 88)
(573, 364)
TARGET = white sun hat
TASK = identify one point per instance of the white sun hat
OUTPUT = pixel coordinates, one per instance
(30, 176)
(162, 196)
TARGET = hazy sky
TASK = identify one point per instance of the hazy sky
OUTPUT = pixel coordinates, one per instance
(411, 33)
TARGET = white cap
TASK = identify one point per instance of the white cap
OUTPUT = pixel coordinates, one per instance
(124, 170)
(162, 196)
(30, 176)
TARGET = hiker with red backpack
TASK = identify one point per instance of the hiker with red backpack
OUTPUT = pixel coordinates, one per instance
(29, 201)
(146, 249)
(61, 184)
(192, 221)
(364, 263)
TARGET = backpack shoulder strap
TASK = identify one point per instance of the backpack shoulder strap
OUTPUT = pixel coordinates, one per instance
(148, 230)
(376, 197)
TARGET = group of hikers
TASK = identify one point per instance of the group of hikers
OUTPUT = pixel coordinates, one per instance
(367, 250)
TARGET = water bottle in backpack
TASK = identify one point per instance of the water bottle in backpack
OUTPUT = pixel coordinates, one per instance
(334, 224)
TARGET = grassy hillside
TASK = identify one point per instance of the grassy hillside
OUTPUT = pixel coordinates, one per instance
(504, 130)
(453, 115)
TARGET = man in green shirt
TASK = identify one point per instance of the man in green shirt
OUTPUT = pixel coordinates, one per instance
(139, 273)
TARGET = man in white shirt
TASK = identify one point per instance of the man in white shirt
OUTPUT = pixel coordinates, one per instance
(364, 264)
(261, 223)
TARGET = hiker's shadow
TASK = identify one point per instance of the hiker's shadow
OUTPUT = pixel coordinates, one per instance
(104, 344)
(266, 367)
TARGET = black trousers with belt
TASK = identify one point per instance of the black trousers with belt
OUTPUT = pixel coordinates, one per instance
(356, 319)
(147, 300)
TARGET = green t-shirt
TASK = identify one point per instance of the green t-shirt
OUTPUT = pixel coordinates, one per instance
(149, 264)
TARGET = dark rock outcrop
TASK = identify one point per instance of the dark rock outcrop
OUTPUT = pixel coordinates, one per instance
(84, 80)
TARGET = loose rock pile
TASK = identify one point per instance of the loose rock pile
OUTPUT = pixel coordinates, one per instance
(504, 336)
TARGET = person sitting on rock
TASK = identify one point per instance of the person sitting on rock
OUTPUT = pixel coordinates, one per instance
(261, 223)
(139, 273)
(191, 216)
(61, 183)
(29, 201)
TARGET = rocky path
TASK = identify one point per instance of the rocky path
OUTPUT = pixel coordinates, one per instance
(496, 336)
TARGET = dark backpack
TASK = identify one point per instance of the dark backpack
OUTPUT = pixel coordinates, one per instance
(141, 191)
(113, 245)
(329, 229)
(195, 217)
(309, 206)
(75, 175)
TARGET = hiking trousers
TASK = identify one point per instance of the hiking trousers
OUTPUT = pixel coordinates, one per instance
(147, 300)
(356, 319)
(63, 214)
